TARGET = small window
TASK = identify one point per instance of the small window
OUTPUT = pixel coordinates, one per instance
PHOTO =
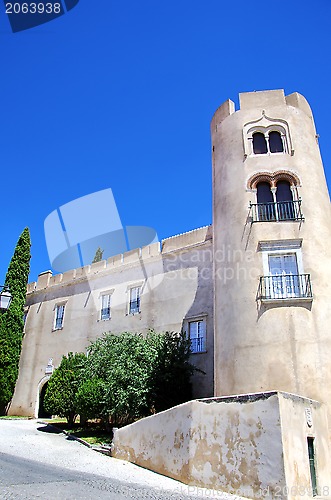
(197, 333)
(312, 465)
(105, 306)
(266, 141)
(275, 142)
(259, 144)
(59, 315)
(134, 306)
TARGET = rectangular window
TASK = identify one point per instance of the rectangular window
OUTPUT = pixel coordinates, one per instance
(105, 306)
(283, 275)
(59, 315)
(312, 464)
(284, 281)
(197, 333)
(134, 306)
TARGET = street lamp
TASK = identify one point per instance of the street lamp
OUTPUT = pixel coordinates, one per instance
(5, 298)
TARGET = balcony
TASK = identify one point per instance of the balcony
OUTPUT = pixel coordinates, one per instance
(277, 211)
(285, 287)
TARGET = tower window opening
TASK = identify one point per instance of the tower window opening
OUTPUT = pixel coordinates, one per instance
(277, 198)
(284, 199)
(275, 142)
(265, 202)
(259, 144)
(266, 141)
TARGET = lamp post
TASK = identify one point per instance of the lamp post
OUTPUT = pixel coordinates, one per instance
(5, 298)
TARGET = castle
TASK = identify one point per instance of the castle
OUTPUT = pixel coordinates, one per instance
(252, 291)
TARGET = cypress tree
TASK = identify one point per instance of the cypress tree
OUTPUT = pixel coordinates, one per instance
(11, 321)
(98, 255)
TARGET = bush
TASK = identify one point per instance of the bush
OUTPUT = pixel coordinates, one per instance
(62, 388)
(130, 376)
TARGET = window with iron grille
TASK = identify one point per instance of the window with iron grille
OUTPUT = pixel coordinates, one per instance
(197, 333)
(277, 203)
(59, 316)
(134, 305)
(105, 306)
(284, 277)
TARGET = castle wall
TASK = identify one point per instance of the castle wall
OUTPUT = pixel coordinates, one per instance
(176, 288)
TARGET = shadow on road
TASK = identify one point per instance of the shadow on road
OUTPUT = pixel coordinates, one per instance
(50, 429)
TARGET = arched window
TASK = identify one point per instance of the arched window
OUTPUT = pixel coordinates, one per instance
(284, 192)
(275, 142)
(265, 200)
(264, 194)
(284, 198)
(259, 144)
(276, 196)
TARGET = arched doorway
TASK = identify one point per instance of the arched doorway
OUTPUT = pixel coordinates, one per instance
(42, 413)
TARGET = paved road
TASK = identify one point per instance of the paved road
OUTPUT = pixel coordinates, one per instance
(36, 463)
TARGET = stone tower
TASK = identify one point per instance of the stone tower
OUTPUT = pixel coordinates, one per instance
(272, 240)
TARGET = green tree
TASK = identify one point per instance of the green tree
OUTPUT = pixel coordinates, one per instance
(90, 399)
(11, 321)
(172, 370)
(124, 364)
(130, 376)
(98, 255)
(62, 388)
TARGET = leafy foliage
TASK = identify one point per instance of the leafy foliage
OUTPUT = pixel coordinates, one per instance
(140, 375)
(90, 398)
(172, 370)
(11, 321)
(124, 364)
(125, 377)
(60, 397)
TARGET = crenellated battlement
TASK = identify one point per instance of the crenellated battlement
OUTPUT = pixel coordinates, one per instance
(176, 243)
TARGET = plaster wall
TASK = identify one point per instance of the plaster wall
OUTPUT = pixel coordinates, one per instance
(176, 283)
(260, 346)
(228, 444)
(250, 445)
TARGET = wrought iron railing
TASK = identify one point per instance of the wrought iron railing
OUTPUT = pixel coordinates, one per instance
(198, 344)
(278, 211)
(285, 286)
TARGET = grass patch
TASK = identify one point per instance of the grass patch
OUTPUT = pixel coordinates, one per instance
(13, 417)
(93, 433)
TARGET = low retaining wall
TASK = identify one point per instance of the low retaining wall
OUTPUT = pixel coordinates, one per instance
(234, 444)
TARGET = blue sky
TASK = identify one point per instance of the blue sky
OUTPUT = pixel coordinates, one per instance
(120, 94)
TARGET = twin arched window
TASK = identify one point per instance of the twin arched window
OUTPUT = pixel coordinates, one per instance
(271, 142)
(283, 192)
(276, 203)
